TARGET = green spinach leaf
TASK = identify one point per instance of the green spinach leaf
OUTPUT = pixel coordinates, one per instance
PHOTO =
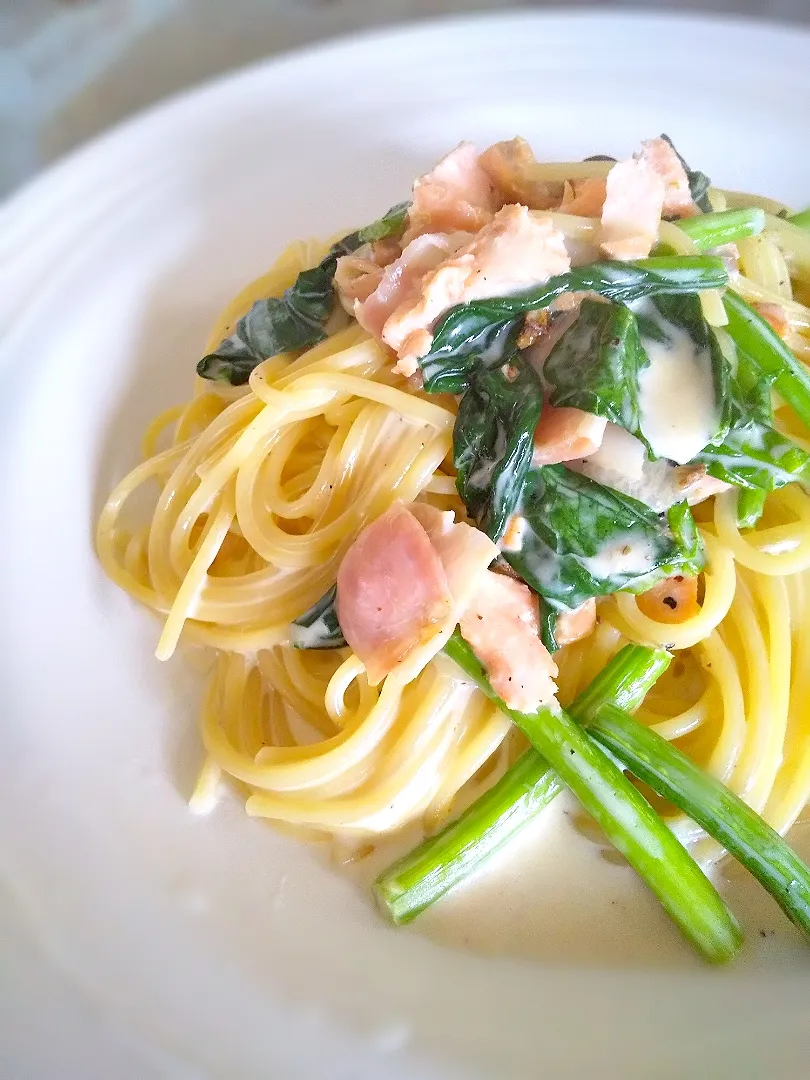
(755, 456)
(295, 320)
(752, 390)
(479, 332)
(661, 318)
(752, 400)
(750, 506)
(752, 454)
(699, 183)
(390, 224)
(318, 628)
(596, 363)
(582, 540)
(548, 625)
(493, 439)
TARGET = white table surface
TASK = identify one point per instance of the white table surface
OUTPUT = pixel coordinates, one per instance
(71, 68)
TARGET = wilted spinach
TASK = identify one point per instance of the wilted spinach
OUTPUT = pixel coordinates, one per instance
(596, 363)
(752, 400)
(658, 316)
(479, 332)
(295, 320)
(318, 628)
(699, 183)
(755, 456)
(493, 439)
(581, 540)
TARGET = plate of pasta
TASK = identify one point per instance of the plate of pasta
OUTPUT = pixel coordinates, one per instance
(407, 564)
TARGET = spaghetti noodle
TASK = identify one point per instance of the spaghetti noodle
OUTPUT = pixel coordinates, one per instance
(260, 490)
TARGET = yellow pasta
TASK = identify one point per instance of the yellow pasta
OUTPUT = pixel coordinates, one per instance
(257, 494)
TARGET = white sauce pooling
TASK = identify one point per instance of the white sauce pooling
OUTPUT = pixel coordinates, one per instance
(679, 413)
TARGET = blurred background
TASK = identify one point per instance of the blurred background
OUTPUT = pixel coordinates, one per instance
(71, 68)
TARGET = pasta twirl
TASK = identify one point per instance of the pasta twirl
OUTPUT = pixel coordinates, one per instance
(260, 489)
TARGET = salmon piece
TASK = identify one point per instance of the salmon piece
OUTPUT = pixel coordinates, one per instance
(400, 280)
(673, 600)
(456, 195)
(501, 626)
(465, 551)
(511, 166)
(564, 434)
(774, 315)
(392, 591)
(576, 624)
(515, 251)
(631, 214)
(662, 158)
(584, 197)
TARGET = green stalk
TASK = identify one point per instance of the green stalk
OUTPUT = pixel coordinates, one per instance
(440, 862)
(750, 504)
(722, 227)
(802, 219)
(711, 805)
(625, 816)
(754, 336)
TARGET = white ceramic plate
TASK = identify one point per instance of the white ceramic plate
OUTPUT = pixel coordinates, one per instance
(140, 941)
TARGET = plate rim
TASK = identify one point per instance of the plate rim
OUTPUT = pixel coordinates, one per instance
(106, 142)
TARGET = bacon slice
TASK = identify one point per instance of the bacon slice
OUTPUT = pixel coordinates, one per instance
(403, 577)
(565, 434)
(515, 251)
(392, 591)
(413, 569)
(501, 625)
(456, 195)
(465, 551)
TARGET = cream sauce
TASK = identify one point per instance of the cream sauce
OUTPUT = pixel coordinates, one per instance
(679, 413)
(559, 894)
(629, 553)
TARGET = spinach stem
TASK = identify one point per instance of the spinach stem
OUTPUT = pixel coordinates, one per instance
(802, 219)
(625, 816)
(711, 805)
(722, 227)
(442, 861)
(765, 348)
